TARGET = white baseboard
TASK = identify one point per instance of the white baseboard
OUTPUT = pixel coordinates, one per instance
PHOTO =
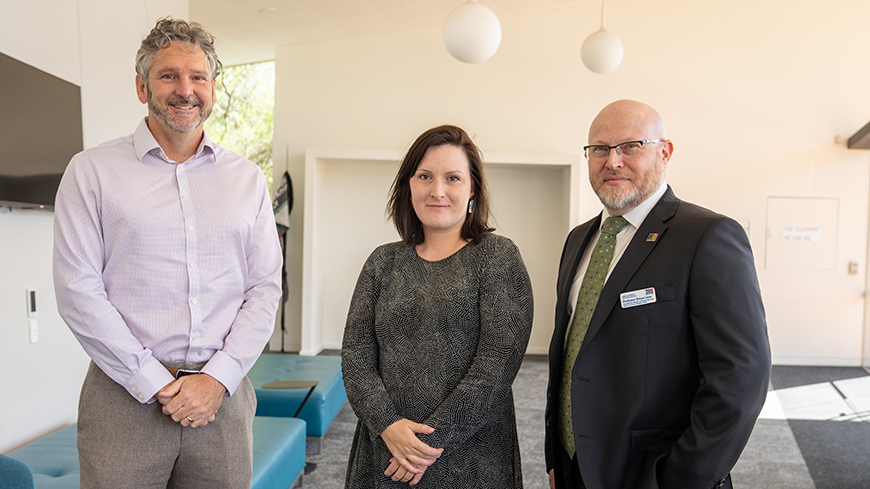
(817, 361)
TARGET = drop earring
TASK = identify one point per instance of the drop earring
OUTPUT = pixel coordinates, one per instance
(470, 205)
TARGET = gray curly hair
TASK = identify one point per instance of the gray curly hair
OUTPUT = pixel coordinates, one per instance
(168, 30)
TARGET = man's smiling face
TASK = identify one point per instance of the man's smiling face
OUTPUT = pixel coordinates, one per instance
(179, 90)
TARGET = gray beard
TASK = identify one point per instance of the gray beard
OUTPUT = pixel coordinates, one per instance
(619, 204)
(162, 114)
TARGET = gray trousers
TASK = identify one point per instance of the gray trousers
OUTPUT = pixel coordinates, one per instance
(125, 444)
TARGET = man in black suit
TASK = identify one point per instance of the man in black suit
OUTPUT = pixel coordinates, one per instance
(658, 380)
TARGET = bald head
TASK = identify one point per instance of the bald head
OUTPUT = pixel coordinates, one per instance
(626, 120)
(625, 177)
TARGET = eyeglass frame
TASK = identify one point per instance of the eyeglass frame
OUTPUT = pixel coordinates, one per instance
(616, 147)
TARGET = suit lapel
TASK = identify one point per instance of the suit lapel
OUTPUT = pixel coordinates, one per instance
(567, 279)
(635, 254)
(573, 251)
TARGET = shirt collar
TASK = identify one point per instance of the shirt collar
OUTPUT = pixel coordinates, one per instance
(636, 216)
(144, 143)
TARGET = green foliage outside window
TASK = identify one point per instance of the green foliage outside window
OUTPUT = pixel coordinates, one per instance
(243, 114)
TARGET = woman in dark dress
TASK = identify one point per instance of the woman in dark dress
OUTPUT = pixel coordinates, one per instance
(436, 332)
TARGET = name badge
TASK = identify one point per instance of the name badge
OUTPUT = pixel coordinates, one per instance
(638, 298)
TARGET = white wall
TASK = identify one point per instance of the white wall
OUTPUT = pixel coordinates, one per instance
(91, 43)
(754, 94)
(346, 195)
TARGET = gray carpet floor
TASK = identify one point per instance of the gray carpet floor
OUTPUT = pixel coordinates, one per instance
(814, 433)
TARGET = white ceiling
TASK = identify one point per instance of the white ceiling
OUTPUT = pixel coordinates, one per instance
(248, 30)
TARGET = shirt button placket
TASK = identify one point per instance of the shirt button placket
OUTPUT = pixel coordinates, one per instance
(189, 217)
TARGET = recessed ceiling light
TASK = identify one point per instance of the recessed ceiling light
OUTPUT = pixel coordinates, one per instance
(268, 10)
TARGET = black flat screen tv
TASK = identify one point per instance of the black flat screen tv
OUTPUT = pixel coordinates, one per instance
(40, 130)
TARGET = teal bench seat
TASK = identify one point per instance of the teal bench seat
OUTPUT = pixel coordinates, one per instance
(279, 452)
(279, 456)
(53, 458)
(326, 400)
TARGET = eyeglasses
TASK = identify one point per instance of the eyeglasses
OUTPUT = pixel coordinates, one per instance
(628, 149)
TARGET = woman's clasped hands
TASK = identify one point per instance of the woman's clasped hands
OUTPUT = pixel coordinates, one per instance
(411, 456)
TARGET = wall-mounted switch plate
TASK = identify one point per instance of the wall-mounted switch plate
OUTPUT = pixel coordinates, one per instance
(33, 326)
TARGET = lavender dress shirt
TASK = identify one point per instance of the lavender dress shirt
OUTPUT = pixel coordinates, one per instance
(159, 261)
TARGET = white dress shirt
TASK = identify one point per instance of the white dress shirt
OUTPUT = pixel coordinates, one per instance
(634, 217)
(160, 261)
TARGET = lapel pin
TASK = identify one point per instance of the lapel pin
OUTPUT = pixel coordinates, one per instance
(652, 237)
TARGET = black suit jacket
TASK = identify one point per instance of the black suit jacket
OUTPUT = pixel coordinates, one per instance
(664, 395)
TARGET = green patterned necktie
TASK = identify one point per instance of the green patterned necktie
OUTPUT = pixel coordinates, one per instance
(590, 289)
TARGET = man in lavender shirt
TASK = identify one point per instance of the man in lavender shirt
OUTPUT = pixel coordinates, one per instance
(167, 269)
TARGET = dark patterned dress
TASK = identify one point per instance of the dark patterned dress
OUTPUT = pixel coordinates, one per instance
(439, 343)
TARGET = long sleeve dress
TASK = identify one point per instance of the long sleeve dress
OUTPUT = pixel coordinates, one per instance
(439, 343)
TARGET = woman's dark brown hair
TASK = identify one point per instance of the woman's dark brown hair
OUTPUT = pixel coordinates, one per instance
(401, 209)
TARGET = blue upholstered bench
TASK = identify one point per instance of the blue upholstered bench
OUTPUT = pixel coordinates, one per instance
(279, 452)
(53, 458)
(326, 400)
(279, 455)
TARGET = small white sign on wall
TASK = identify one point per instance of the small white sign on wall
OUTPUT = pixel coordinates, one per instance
(802, 234)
